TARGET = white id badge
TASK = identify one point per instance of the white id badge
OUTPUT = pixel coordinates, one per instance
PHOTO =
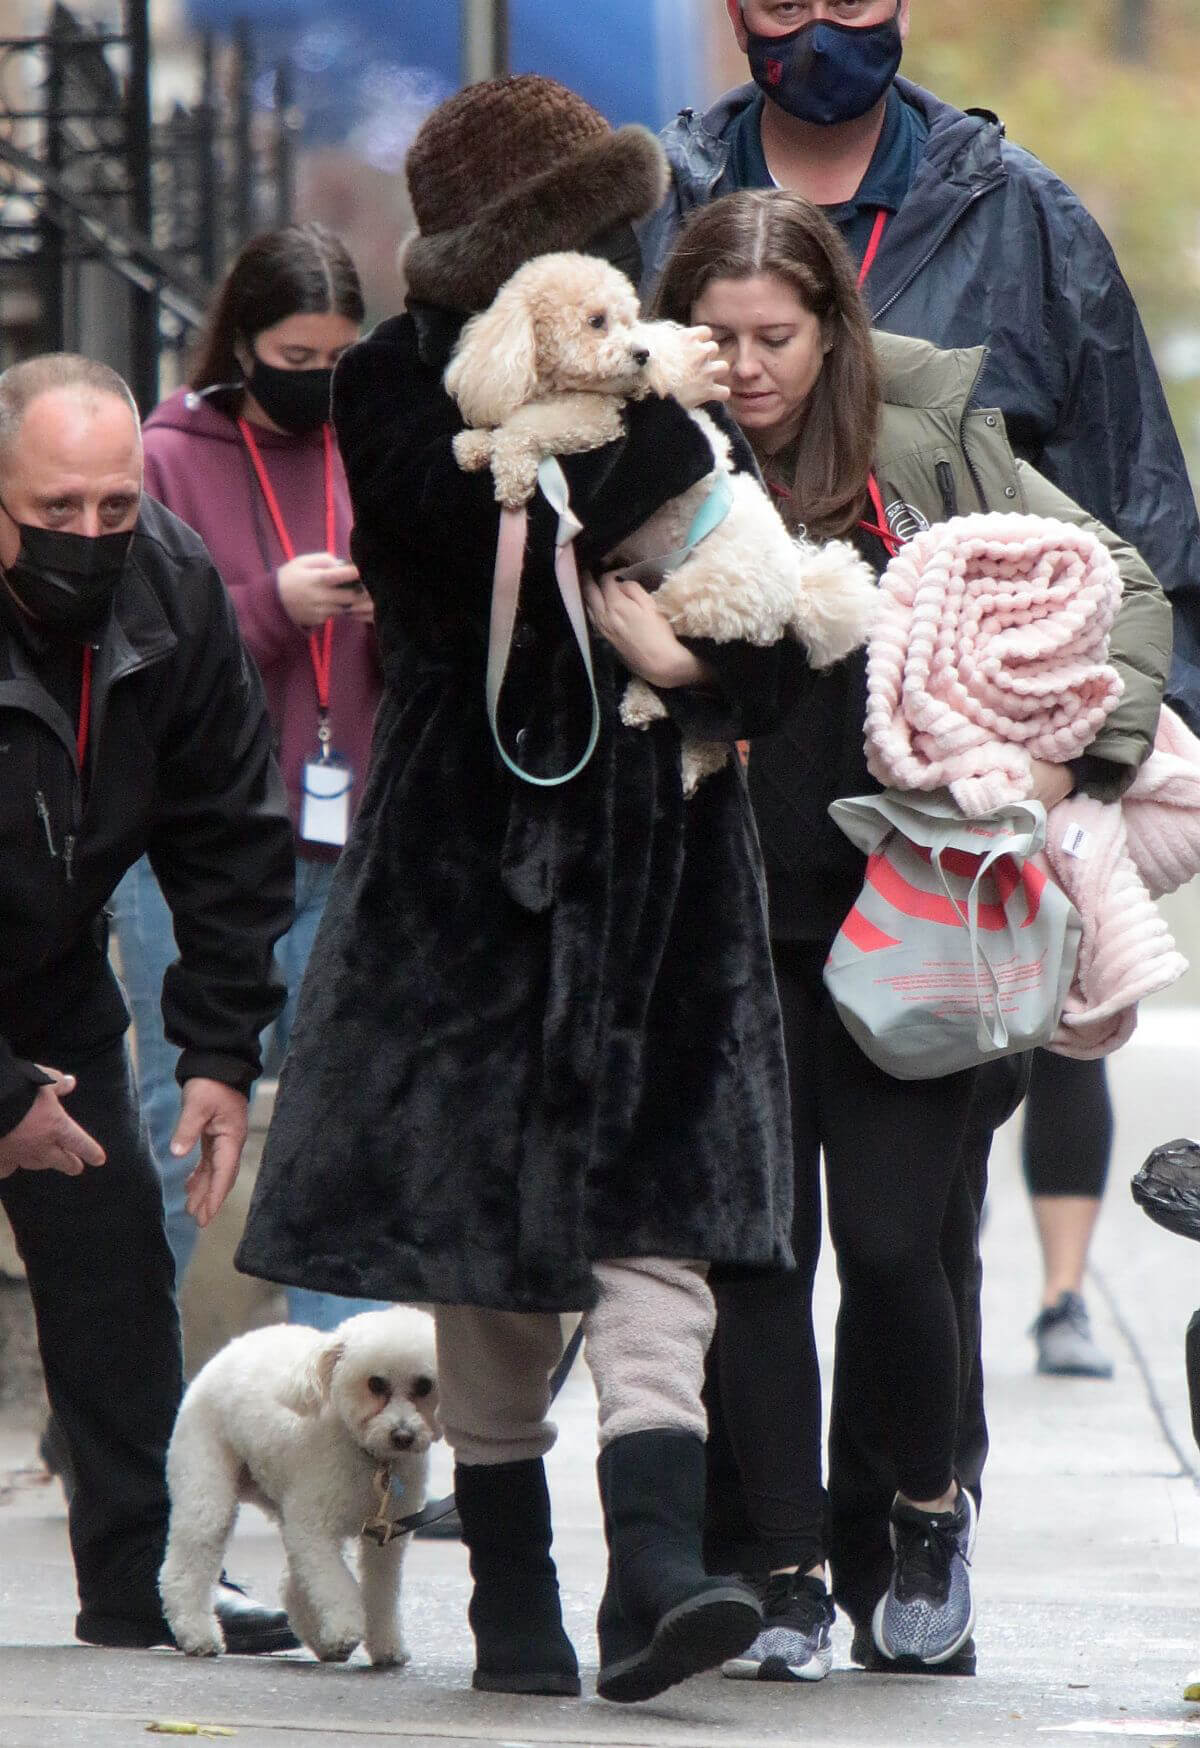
(325, 807)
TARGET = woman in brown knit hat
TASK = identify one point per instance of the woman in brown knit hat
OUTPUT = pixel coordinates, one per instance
(538, 1063)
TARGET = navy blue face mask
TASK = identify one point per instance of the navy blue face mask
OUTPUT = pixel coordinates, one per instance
(827, 73)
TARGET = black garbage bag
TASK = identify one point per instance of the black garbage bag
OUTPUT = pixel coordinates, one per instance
(1168, 1187)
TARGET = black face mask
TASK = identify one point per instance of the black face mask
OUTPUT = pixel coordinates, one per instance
(66, 582)
(825, 72)
(295, 400)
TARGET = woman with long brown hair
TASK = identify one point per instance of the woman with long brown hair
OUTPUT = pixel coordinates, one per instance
(246, 455)
(871, 437)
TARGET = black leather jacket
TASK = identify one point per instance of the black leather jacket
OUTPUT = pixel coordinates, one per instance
(991, 249)
(179, 764)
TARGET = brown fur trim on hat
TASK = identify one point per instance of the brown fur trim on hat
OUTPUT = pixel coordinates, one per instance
(622, 176)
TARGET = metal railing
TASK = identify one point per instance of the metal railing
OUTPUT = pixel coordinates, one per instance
(113, 229)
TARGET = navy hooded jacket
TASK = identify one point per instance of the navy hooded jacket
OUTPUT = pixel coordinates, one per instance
(990, 248)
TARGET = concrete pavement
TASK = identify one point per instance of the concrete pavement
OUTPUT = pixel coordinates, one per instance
(1087, 1565)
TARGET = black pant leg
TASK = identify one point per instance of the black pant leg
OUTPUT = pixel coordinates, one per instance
(862, 1460)
(767, 1508)
(102, 1283)
(999, 1089)
(1067, 1158)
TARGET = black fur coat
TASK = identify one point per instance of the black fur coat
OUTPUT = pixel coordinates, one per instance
(539, 1027)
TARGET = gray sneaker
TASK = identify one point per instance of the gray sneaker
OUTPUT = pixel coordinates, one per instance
(1066, 1347)
(794, 1643)
(928, 1612)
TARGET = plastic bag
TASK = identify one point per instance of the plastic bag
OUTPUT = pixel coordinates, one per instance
(1168, 1187)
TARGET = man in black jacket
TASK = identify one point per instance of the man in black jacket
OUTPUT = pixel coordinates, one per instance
(131, 719)
(963, 239)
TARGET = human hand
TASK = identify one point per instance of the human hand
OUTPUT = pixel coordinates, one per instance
(1051, 783)
(316, 586)
(46, 1139)
(686, 363)
(215, 1115)
(627, 618)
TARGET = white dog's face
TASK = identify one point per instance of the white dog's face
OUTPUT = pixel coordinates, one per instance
(586, 325)
(379, 1374)
(563, 323)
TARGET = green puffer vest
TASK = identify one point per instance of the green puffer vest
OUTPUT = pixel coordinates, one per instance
(945, 457)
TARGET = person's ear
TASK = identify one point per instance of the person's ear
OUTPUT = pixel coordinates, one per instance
(903, 19)
(734, 9)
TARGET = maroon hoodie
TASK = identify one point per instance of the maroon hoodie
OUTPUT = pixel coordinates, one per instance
(198, 466)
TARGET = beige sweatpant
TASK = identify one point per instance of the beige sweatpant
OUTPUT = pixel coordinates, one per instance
(644, 1341)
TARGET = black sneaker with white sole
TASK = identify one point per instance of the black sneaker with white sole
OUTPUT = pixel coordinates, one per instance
(866, 1653)
(928, 1611)
(794, 1643)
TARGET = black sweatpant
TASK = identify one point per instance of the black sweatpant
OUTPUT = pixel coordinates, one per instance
(905, 1165)
(1066, 1137)
(102, 1283)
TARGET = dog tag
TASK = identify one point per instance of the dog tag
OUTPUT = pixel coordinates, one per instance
(325, 804)
(385, 1526)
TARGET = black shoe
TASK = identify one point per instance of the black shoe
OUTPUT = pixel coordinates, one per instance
(662, 1618)
(865, 1652)
(249, 1629)
(515, 1612)
(794, 1644)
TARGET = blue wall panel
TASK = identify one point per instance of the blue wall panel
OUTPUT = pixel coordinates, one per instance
(634, 59)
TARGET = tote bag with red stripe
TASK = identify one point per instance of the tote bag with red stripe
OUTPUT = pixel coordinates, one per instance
(961, 947)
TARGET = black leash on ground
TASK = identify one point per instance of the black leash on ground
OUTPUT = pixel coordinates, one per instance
(440, 1508)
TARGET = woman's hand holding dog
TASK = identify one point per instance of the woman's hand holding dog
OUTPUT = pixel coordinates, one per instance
(625, 616)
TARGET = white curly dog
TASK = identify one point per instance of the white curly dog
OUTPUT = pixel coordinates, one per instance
(305, 1424)
(546, 370)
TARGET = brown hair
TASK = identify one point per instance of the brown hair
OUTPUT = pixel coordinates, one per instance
(772, 231)
(299, 270)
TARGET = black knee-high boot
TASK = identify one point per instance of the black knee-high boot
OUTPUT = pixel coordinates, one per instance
(520, 1645)
(662, 1618)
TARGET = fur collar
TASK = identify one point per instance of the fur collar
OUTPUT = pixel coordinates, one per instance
(623, 176)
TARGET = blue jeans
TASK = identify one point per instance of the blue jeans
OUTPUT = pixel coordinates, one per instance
(142, 925)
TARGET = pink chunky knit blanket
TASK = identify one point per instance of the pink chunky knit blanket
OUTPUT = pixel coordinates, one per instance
(990, 649)
(1113, 860)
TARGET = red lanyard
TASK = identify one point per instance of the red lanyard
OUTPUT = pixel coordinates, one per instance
(879, 527)
(319, 648)
(868, 260)
(85, 707)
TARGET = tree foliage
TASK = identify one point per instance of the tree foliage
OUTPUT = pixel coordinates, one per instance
(1122, 128)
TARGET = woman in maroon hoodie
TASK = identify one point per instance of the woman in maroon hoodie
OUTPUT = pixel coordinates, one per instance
(246, 456)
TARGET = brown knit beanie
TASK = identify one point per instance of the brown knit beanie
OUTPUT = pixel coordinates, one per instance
(492, 137)
(512, 168)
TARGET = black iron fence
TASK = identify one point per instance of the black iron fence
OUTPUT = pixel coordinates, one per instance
(113, 229)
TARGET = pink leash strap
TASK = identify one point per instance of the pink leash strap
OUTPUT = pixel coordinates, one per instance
(506, 593)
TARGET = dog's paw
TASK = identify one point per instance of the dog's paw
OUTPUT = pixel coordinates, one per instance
(388, 1656)
(515, 474)
(472, 450)
(200, 1638)
(700, 759)
(640, 705)
(334, 1650)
